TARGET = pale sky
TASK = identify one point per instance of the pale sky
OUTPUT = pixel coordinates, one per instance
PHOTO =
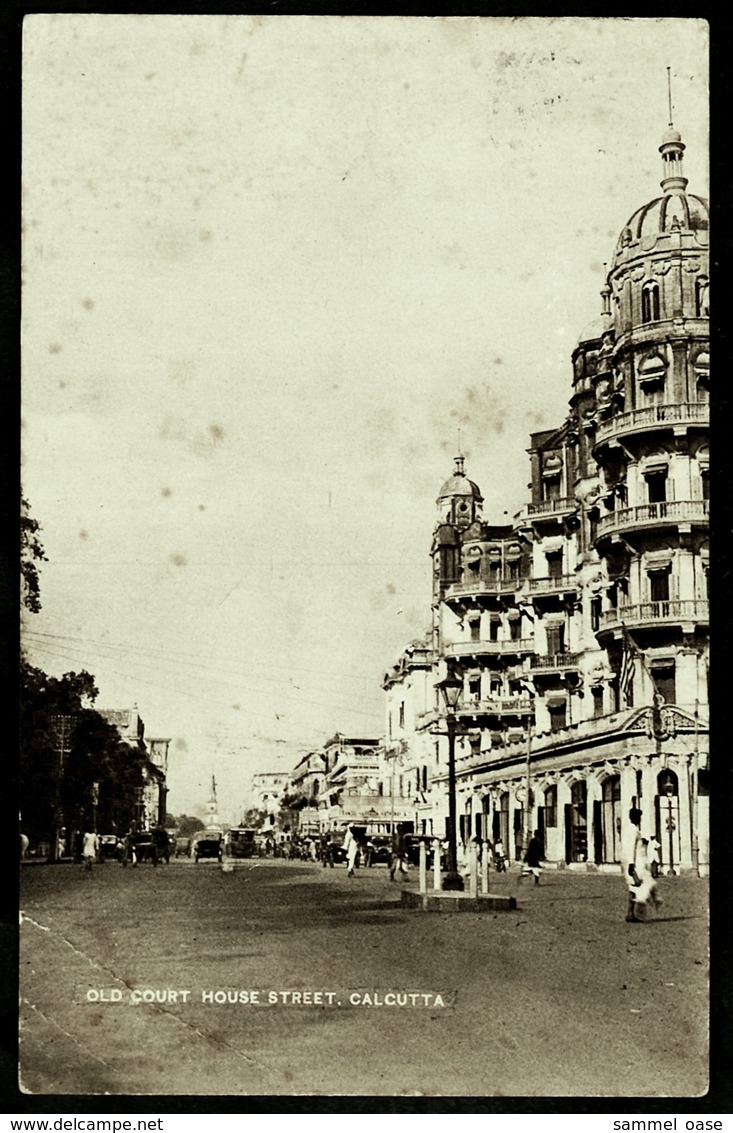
(271, 266)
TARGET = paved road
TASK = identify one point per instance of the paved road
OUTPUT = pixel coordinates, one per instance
(561, 997)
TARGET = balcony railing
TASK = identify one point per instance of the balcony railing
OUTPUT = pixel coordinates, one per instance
(652, 417)
(484, 586)
(497, 706)
(645, 515)
(552, 661)
(475, 648)
(552, 585)
(672, 610)
(552, 507)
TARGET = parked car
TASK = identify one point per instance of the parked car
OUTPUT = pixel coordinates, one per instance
(208, 844)
(139, 848)
(110, 846)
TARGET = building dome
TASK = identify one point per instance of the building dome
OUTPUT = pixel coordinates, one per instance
(592, 331)
(459, 485)
(674, 212)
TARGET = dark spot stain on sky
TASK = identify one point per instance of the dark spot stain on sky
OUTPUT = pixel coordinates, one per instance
(202, 507)
(88, 304)
(391, 588)
(178, 560)
(83, 536)
(166, 492)
(180, 744)
(205, 235)
(55, 348)
(216, 432)
(236, 707)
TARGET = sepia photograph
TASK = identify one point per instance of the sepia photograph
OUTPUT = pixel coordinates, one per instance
(364, 729)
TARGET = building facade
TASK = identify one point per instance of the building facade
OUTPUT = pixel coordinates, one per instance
(151, 805)
(580, 630)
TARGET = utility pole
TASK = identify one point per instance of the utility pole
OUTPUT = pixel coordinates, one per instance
(62, 726)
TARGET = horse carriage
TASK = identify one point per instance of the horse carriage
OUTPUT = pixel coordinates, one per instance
(146, 846)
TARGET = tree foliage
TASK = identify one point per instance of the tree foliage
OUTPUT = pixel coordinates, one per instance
(93, 755)
(188, 825)
(31, 553)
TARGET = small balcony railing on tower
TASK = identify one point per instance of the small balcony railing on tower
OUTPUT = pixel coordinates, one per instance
(552, 661)
(552, 507)
(652, 416)
(483, 586)
(644, 515)
(552, 585)
(496, 706)
(471, 648)
(671, 610)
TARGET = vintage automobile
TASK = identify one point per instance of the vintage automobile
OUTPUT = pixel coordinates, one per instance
(139, 848)
(110, 846)
(241, 842)
(208, 844)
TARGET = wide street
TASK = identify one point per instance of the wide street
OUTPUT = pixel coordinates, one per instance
(560, 997)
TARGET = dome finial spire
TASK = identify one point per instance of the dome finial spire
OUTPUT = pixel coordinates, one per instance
(672, 149)
(669, 94)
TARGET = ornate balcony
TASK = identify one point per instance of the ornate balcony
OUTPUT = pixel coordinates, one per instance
(497, 706)
(653, 417)
(553, 585)
(552, 662)
(672, 611)
(545, 508)
(460, 590)
(481, 648)
(650, 515)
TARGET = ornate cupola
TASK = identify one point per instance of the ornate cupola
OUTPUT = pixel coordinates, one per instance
(459, 500)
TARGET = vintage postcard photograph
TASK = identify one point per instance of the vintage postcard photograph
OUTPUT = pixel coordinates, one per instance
(365, 517)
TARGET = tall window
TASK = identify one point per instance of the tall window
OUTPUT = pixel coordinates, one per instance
(597, 702)
(705, 483)
(558, 716)
(656, 485)
(555, 639)
(402, 714)
(665, 684)
(659, 585)
(551, 806)
(551, 488)
(515, 629)
(494, 629)
(554, 564)
(650, 303)
(595, 613)
(475, 628)
(513, 569)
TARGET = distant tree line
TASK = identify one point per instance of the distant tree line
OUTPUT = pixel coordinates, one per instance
(73, 768)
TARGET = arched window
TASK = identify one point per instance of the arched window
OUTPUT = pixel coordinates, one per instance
(650, 303)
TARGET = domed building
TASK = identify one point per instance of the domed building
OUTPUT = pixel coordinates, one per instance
(579, 632)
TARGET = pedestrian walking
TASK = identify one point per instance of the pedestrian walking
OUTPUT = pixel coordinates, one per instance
(642, 886)
(397, 860)
(533, 857)
(499, 859)
(653, 850)
(351, 845)
(89, 849)
(326, 850)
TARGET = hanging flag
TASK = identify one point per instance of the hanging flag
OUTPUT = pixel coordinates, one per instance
(628, 668)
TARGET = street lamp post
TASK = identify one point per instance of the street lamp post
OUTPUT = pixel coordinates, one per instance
(451, 689)
(668, 788)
